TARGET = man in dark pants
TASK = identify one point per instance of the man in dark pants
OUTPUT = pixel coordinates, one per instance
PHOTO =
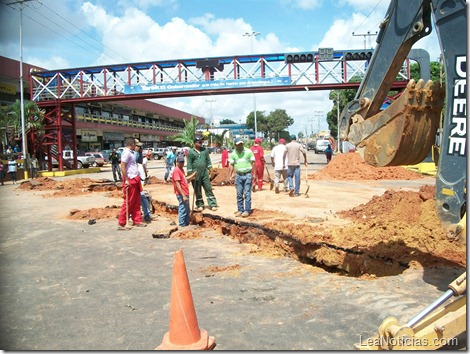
(241, 162)
(115, 164)
(199, 160)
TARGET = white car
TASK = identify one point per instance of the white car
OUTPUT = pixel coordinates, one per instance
(321, 145)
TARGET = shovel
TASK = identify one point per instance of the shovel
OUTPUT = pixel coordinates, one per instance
(271, 182)
(191, 214)
(306, 181)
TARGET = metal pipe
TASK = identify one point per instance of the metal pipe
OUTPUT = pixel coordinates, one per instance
(439, 301)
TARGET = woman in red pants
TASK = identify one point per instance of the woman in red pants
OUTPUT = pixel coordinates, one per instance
(259, 163)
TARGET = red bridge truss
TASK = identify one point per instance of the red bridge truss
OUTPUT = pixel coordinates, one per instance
(57, 91)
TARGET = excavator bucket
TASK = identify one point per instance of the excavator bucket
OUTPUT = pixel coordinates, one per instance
(404, 133)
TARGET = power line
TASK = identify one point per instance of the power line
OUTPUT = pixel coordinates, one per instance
(67, 21)
(99, 51)
(370, 13)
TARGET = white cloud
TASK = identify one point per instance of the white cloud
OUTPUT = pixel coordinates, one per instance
(126, 32)
(302, 4)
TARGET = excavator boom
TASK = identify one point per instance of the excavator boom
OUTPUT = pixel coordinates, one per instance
(405, 132)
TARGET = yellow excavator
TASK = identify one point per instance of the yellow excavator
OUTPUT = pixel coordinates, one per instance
(405, 132)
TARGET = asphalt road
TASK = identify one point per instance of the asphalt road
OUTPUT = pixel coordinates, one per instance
(67, 285)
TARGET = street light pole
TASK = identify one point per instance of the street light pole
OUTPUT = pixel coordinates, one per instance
(23, 128)
(337, 112)
(251, 35)
(212, 117)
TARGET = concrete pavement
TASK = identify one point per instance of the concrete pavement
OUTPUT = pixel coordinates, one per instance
(67, 285)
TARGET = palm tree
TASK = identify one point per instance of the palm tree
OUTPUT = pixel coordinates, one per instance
(219, 139)
(10, 120)
(187, 135)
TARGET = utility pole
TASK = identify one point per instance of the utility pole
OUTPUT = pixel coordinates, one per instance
(318, 115)
(366, 35)
(251, 35)
(23, 128)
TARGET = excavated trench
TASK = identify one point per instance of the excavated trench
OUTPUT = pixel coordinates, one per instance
(351, 261)
(383, 237)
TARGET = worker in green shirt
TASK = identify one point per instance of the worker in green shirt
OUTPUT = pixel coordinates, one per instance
(241, 162)
(198, 159)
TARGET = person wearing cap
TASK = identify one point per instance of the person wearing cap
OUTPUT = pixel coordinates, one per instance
(292, 161)
(181, 188)
(241, 162)
(198, 160)
(277, 161)
(131, 186)
(258, 152)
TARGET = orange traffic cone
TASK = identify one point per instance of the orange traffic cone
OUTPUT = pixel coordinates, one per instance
(184, 333)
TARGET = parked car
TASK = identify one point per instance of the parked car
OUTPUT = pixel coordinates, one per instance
(100, 160)
(106, 153)
(321, 145)
(83, 161)
(158, 153)
(161, 152)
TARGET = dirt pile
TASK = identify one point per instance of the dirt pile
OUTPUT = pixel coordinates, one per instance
(221, 177)
(400, 228)
(69, 187)
(108, 212)
(351, 166)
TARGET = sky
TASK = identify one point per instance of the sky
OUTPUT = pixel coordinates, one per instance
(58, 34)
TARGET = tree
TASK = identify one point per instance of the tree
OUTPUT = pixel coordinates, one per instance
(260, 121)
(218, 139)
(227, 121)
(272, 125)
(10, 120)
(345, 96)
(187, 135)
(435, 71)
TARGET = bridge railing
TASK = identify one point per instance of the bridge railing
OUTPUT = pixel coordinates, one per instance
(192, 76)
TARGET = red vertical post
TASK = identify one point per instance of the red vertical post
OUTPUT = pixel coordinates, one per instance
(59, 136)
(154, 80)
(81, 83)
(317, 75)
(58, 84)
(105, 83)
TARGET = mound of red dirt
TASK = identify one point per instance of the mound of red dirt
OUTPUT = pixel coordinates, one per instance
(351, 166)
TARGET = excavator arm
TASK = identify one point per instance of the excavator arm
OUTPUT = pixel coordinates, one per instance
(405, 132)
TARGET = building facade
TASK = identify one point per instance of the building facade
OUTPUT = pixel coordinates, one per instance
(100, 126)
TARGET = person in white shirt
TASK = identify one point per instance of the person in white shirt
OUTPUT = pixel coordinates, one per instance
(277, 161)
(12, 168)
(131, 187)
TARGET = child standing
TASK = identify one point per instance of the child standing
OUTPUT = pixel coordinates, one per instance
(181, 187)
